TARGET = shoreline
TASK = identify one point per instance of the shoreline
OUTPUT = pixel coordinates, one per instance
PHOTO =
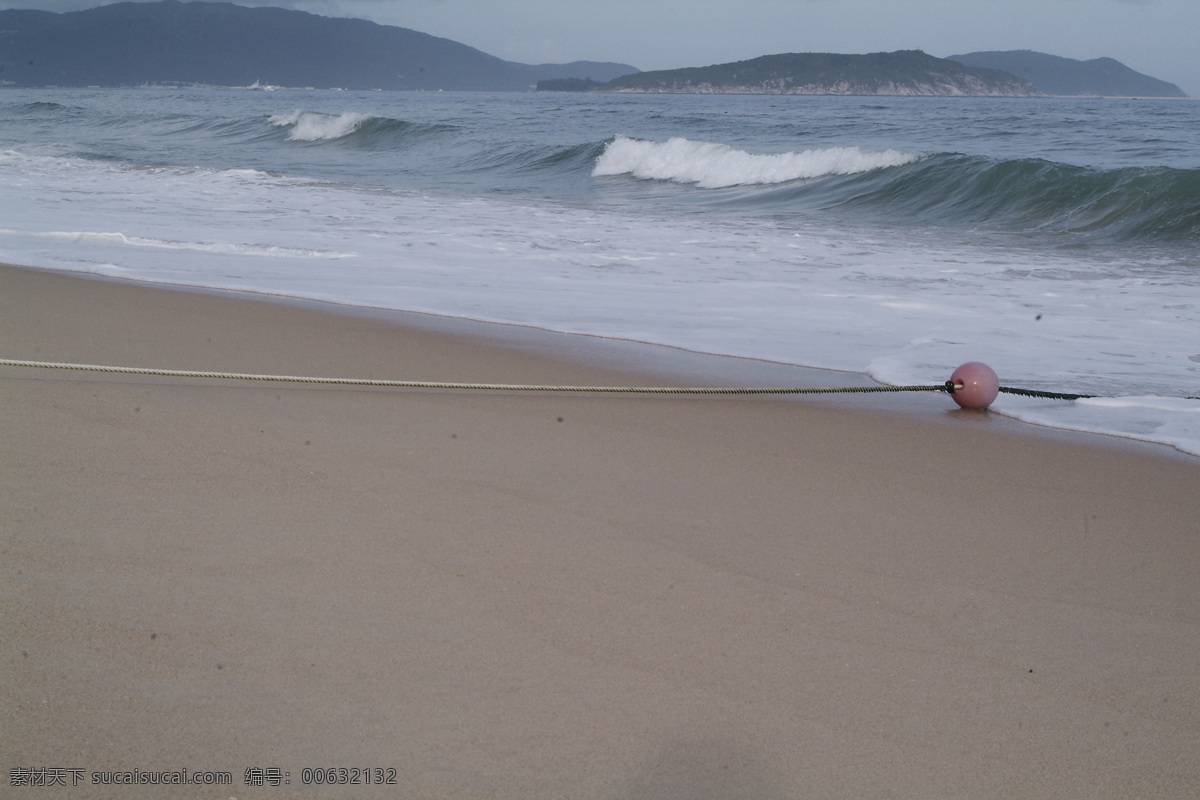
(545, 596)
(648, 363)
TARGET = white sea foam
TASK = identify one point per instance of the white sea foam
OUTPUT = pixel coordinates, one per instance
(309, 126)
(217, 248)
(1173, 421)
(712, 166)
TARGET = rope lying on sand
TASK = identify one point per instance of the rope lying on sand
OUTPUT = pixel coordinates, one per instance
(947, 387)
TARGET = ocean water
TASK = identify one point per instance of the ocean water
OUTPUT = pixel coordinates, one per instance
(1057, 240)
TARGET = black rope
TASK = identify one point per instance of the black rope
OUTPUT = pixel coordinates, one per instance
(1048, 395)
(950, 388)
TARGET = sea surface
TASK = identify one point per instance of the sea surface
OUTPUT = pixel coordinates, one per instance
(1057, 240)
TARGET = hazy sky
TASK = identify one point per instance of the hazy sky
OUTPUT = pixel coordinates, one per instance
(1157, 37)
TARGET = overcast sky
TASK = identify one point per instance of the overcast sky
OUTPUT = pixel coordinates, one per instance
(1158, 37)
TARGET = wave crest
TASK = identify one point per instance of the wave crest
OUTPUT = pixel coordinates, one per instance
(714, 166)
(310, 126)
(1128, 203)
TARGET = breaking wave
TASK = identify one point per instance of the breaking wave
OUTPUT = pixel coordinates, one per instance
(312, 126)
(1027, 195)
(714, 166)
(309, 126)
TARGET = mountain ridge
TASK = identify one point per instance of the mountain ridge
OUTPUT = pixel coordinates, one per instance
(223, 44)
(208, 42)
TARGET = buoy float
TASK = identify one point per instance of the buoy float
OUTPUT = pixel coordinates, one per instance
(973, 385)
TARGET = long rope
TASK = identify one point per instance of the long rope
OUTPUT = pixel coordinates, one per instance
(709, 390)
(947, 387)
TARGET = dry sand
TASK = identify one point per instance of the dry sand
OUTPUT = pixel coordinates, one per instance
(563, 596)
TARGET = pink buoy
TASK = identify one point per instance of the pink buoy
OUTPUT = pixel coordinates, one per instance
(975, 385)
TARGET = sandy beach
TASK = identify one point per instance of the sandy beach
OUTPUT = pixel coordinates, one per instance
(510, 595)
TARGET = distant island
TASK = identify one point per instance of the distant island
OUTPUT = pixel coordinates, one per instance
(222, 44)
(1013, 73)
(905, 72)
(1055, 75)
